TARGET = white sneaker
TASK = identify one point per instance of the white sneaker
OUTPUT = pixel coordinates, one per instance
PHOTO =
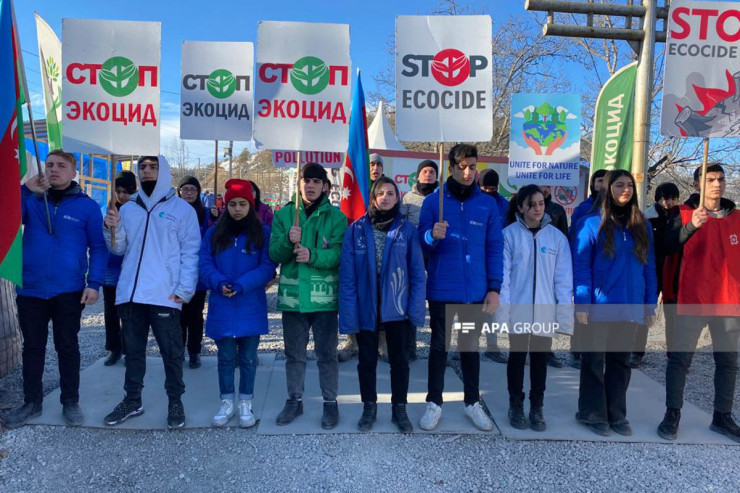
(246, 418)
(478, 416)
(225, 412)
(431, 417)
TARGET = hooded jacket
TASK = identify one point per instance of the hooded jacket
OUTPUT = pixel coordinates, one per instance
(402, 279)
(538, 278)
(313, 286)
(57, 264)
(411, 204)
(611, 281)
(468, 263)
(159, 237)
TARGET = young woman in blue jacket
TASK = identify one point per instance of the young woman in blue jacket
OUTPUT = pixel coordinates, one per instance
(381, 287)
(615, 291)
(235, 267)
(536, 301)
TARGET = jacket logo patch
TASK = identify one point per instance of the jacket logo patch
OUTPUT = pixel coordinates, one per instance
(733, 240)
(167, 216)
(163, 315)
(476, 223)
(70, 218)
(325, 243)
(551, 251)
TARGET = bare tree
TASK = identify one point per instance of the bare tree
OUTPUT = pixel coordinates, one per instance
(178, 156)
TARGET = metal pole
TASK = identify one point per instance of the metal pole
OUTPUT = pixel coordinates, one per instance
(703, 182)
(643, 89)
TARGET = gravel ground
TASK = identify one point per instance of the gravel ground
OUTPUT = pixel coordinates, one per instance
(41, 458)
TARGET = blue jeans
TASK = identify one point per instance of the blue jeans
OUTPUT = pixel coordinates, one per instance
(227, 350)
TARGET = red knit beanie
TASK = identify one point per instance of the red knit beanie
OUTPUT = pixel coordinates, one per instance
(239, 188)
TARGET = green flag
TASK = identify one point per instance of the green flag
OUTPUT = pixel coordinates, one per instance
(614, 122)
(50, 57)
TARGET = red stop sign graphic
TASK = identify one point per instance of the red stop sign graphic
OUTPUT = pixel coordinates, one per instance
(450, 67)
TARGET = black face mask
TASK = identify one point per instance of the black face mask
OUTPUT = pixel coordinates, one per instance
(148, 187)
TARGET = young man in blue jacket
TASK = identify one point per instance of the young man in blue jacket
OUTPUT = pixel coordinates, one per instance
(57, 283)
(465, 249)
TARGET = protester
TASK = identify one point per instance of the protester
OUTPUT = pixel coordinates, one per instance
(382, 286)
(465, 267)
(615, 290)
(264, 212)
(159, 236)
(537, 289)
(56, 282)
(376, 167)
(235, 265)
(426, 183)
(489, 181)
(661, 217)
(191, 318)
(707, 236)
(125, 184)
(307, 294)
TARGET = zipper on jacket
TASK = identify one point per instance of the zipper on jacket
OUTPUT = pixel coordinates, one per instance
(465, 251)
(534, 281)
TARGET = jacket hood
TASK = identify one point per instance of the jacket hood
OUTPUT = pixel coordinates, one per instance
(544, 222)
(162, 189)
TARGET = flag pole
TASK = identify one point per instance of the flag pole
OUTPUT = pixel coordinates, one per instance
(215, 176)
(441, 178)
(38, 163)
(703, 181)
(297, 185)
(112, 201)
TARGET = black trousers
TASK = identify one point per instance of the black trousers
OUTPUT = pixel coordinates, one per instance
(399, 336)
(605, 371)
(538, 348)
(34, 314)
(165, 324)
(669, 312)
(191, 322)
(113, 341)
(469, 360)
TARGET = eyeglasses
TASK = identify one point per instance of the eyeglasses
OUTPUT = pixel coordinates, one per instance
(188, 190)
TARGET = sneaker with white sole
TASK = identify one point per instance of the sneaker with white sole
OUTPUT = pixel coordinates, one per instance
(430, 419)
(246, 418)
(224, 414)
(478, 416)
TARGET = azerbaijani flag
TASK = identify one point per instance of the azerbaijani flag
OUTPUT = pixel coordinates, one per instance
(356, 181)
(12, 151)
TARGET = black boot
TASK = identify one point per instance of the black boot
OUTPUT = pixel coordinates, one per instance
(112, 358)
(536, 414)
(668, 428)
(330, 419)
(400, 418)
(516, 412)
(724, 424)
(21, 415)
(292, 409)
(635, 360)
(194, 361)
(369, 413)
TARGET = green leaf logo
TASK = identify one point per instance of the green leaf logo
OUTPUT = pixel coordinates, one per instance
(309, 75)
(119, 76)
(52, 69)
(221, 84)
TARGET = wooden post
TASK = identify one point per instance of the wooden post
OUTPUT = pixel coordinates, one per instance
(441, 178)
(703, 182)
(215, 175)
(297, 186)
(112, 201)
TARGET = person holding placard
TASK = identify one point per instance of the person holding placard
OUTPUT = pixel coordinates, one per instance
(465, 250)
(615, 291)
(159, 238)
(308, 253)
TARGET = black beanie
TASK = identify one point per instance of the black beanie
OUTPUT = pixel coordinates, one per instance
(126, 180)
(427, 163)
(313, 170)
(189, 180)
(488, 178)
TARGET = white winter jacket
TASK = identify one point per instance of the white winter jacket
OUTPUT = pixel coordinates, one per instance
(538, 279)
(159, 237)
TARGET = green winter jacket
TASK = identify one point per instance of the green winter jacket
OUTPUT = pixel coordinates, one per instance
(314, 286)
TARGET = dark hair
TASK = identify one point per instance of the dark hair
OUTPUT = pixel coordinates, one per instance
(379, 183)
(599, 173)
(147, 158)
(524, 195)
(223, 236)
(666, 190)
(711, 168)
(200, 209)
(257, 194)
(511, 211)
(460, 152)
(635, 219)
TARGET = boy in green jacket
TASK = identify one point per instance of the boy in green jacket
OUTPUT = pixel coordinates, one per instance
(308, 255)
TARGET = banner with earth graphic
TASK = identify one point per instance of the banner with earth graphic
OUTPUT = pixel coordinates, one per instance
(216, 90)
(545, 141)
(302, 87)
(110, 90)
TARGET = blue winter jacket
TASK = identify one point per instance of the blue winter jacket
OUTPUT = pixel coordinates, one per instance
(579, 213)
(57, 264)
(402, 279)
(602, 282)
(503, 208)
(113, 269)
(248, 272)
(468, 262)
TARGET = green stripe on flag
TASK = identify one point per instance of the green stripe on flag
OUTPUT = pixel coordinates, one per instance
(11, 268)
